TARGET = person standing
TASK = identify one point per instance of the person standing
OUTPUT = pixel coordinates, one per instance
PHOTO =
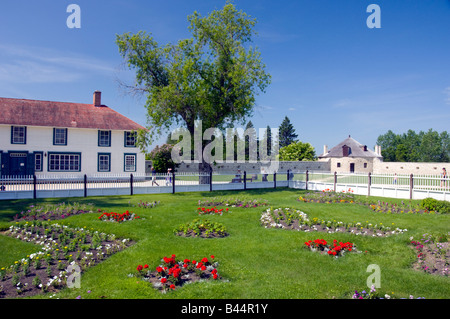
(444, 177)
(169, 177)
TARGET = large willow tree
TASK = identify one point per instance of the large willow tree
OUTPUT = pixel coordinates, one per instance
(213, 76)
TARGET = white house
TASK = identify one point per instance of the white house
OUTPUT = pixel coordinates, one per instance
(45, 137)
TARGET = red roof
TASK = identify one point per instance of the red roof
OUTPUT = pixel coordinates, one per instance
(62, 114)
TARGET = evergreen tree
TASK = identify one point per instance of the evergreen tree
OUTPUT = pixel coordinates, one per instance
(287, 133)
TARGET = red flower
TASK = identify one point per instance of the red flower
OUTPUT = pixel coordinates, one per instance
(215, 276)
(163, 280)
(139, 268)
(172, 286)
(159, 269)
(205, 260)
(212, 256)
(146, 266)
(203, 268)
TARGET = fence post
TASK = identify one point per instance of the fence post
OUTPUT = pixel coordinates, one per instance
(274, 180)
(335, 180)
(245, 180)
(369, 183)
(210, 180)
(131, 184)
(173, 182)
(411, 186)
(307, 178)
(34, 186)
(85, 185)
(287, 177)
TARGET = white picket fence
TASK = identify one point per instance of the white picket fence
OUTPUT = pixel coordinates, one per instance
(385, 185)
(51, 186)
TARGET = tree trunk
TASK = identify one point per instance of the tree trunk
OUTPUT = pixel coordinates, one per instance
(204, 170)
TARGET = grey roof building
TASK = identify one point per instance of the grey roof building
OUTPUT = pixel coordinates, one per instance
(351, 148)
(351, 156)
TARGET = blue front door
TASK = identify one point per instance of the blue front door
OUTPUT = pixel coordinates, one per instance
(17, 164)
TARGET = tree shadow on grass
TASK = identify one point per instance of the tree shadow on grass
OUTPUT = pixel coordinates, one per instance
(10, 208)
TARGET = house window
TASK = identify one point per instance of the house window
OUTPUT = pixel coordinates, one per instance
(130, 139)
(104, 162)
(64, 162)
(130, 163)
(104, 138)
(338, 164)
(18, 134)
(38, 161)
(365, 165)
(59, 136)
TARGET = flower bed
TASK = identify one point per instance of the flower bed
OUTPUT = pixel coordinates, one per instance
(374, 294)
(146, 204)
(433, 254)
(117, 217)
(62, 246)
(172, 273)
(328, 196)
(233, 202)
(212, 211)
(336, 250)
(53, 211)
(289, 218)
(201, 228)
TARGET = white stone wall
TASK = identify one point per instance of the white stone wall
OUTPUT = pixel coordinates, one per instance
(407, 168)
(362, 165)
(84, 141)
(255, 167)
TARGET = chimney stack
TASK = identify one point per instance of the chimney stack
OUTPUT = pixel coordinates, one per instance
(325, 149)
(97, 98)
(378, 149)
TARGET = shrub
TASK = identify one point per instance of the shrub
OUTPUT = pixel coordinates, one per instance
(435, 205)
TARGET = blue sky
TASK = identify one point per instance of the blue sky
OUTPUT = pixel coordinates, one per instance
(331, 74)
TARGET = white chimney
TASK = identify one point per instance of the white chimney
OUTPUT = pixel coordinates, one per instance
(325, 149)
(378, 149)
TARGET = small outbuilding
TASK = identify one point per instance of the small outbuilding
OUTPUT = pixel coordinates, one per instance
(350, 156)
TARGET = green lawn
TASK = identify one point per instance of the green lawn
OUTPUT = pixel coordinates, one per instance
(257, 262)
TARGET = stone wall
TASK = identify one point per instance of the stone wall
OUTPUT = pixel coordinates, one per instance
(407, 168)
(253, 167)
(361, 165)
(375, 166)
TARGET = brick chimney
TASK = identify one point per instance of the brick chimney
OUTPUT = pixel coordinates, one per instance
(97, 98)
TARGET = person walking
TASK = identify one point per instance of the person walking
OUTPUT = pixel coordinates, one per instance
(154, 177)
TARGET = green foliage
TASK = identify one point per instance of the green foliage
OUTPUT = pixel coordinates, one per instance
(213, 76)
(287, 133)
(201, 227)
(161, 157)
(435, 205)
(429, 146)
(297, 151)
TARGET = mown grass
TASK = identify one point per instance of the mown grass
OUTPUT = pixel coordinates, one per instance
(256, 262)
